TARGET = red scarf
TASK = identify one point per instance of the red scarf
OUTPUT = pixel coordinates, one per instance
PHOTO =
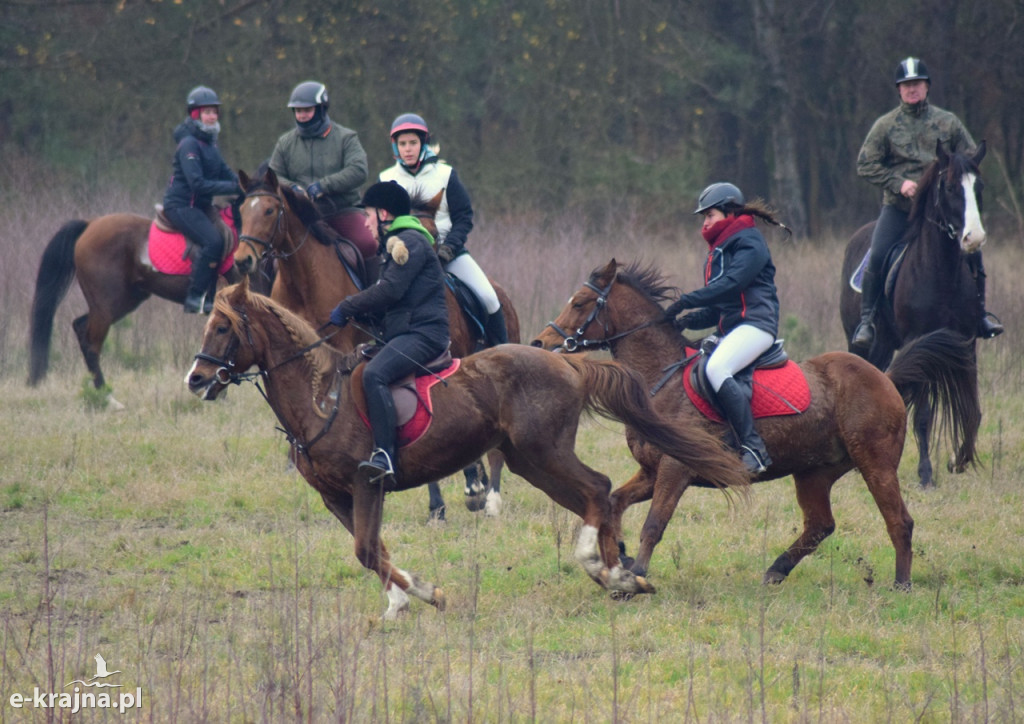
(724, 228)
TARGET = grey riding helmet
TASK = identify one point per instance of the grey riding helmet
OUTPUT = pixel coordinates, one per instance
(719, 195)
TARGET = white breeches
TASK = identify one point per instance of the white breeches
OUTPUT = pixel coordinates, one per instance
(737, 349)
(469, 272)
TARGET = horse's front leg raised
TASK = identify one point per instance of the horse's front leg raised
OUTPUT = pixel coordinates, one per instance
(360, 513)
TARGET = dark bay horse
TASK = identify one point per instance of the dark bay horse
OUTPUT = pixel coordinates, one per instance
(935, 288)
(311, 280)
(524, 401)
(856, 418)
(108, 255)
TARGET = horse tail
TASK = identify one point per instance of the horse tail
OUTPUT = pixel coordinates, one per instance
(618, 393)
(940, 369)
(56, 271)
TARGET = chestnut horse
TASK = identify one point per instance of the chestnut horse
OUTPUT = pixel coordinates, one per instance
(311, 280)
(856, 418)
(524, 401)
(108, 255)
(935, 287)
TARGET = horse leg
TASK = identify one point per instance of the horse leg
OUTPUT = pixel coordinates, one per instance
(813, 493)
(437, 506)
(360, 512)
(475, 489)
(565, 479)
(90, 350)
(670, 482)
(922, 433)
(492, 508)
(637, 489)
(884, 485)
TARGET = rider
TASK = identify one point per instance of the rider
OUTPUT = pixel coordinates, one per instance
(898, 148)
(411, 299)
(739, 297)
(199, 174)
(326, 162)
(418, 169)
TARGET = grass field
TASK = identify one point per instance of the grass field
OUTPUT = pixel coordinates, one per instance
(173, 539)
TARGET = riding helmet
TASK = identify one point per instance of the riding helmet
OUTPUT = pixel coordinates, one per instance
(308, 94)
(410, 122)
(201, 97)
(719, 195)
(912, 68)
(390, 196)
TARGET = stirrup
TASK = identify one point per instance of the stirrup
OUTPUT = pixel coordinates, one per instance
(990, 326)
(756, 462)
(378, 467)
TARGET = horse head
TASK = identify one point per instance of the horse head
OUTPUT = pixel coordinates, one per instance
(612, 304)
(271, 215)
(228, 348)
(949, 195)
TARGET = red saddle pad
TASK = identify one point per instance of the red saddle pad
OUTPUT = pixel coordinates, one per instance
(777, 391)
(166, 249)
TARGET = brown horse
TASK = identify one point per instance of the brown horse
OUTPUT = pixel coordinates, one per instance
(108, 255)
(856, 418)
(935, 287)
(311, 280)
(524, 401)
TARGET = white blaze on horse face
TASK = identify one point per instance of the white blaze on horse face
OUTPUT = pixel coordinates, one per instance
(253, 203)
(974, 233)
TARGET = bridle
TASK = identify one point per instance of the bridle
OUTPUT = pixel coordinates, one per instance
(226, 375)
(267, 245)
(575, 342)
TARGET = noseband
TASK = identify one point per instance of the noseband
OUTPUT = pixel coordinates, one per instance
(575, 342)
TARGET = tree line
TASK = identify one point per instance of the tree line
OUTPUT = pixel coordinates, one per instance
(541, 104)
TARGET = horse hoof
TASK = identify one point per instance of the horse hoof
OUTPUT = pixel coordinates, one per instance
(476, 502)
(902, 586)
(773, 577)
(493, 507)
(622, 596)
(438, 601)
(437, 515)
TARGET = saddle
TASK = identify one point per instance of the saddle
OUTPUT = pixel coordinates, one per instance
(347, 252)
(171, 252)
(890, 269)
(414, 410)
(472, 309)
(773, 383)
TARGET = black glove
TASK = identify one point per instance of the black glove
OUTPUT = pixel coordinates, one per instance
(445, 252)
(685, 322)
(673, 310)
(338, 318)
(315, 190)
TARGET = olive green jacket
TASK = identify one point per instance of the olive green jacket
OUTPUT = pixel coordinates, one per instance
(336, 159)
(901, 144)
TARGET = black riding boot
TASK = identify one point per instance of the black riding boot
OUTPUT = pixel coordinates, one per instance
(864, 336)
(211, 292)
(988, 324)
(199, 282)
(381, 411)
(736, 406)
(495, 330)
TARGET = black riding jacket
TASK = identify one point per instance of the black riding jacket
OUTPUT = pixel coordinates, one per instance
(200, 172)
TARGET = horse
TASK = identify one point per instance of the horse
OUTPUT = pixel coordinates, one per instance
(524, 401)
(856, 418)
(312, 279)
(935, 287)
(110, 258)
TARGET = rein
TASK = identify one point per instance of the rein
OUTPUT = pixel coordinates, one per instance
(225, 376)
(941, 222)
(575, 342)
(267, 246)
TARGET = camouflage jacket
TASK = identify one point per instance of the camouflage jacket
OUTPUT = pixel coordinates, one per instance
(901, 144)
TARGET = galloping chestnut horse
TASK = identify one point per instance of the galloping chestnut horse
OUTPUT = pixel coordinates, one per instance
(856, 418)
(524, 401)
(935, 287)
(311, 280)
(108, 255)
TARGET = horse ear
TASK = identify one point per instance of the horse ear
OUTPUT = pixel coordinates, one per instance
(435, 203)
(270, 178)
(609, 270)
(243, 178)
(980, 153)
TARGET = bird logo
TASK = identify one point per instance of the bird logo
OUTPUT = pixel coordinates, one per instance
(101, 673)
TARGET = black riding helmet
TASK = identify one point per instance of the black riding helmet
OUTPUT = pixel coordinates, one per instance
(719, 195)
(308, 94)
(912, 68)
(390, 196)
(201, 97)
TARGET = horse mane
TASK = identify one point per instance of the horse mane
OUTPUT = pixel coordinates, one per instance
(956, 166)
(646, 279)
(322, 358)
